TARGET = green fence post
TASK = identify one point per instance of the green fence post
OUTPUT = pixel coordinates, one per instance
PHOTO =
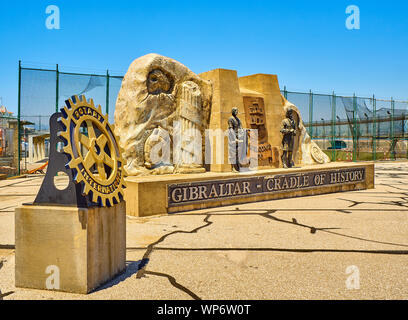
(374, 128)
(107, 92)
(311, 114)
(19, 119)
(56, 88)
(405, 129)
(405, 121)
(333, 127)
(285, 93)
(355, 130)
(393, 140)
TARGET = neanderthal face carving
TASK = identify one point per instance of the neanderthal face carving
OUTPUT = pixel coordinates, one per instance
(158, 82)
(289, 114)
(234, 112)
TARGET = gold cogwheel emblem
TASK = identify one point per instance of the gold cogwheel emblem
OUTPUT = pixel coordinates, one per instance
(95, 155)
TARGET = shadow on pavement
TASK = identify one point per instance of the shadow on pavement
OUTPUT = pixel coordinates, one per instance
(132, 267)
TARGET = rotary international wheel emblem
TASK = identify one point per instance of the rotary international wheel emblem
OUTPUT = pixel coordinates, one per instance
(95, 155)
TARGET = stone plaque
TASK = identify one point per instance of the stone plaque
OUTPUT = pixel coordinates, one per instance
(216, 190)
(265, 153)
(255, 118)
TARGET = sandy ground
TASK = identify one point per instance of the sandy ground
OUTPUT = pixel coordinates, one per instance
(283, 249)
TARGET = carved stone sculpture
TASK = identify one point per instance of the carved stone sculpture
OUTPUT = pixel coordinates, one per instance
(306, 151)
(256, 119)
(190, 116)
(163, 110)
(159, 93)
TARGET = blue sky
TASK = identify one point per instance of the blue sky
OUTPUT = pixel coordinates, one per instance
(305, 43)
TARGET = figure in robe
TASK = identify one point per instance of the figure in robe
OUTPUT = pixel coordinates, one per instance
(237, 142)
(288, 130)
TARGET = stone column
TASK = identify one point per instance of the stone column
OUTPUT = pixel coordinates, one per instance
(226, 95)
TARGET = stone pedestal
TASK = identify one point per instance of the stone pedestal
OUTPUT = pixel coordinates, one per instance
(68, 248)
(153, 195)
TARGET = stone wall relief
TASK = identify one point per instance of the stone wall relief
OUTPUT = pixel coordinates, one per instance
(255, 117)
(188, 154)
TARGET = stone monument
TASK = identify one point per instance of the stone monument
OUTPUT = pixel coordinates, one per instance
(180, 141)
(74, 239)
(162, 101)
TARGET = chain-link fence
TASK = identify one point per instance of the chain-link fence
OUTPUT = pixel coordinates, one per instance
(8, 144)
(346, 128)
(43, 92)
(354, 128)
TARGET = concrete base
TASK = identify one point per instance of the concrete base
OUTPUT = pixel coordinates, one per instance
(152, 195)
(190, 170)
(67, 248)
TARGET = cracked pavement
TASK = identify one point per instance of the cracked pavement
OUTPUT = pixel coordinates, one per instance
(295, 248)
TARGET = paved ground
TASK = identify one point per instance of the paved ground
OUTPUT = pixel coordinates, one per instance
(283, 249)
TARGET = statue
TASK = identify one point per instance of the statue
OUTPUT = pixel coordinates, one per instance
(237, 141)
(288, 129)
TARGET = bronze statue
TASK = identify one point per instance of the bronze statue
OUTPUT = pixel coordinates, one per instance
(235, 140)
(288, 129)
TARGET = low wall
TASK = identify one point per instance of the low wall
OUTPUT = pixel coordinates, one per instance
(153, 195)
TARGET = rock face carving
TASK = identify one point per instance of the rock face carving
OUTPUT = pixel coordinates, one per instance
(161, 99)
(158, 82)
